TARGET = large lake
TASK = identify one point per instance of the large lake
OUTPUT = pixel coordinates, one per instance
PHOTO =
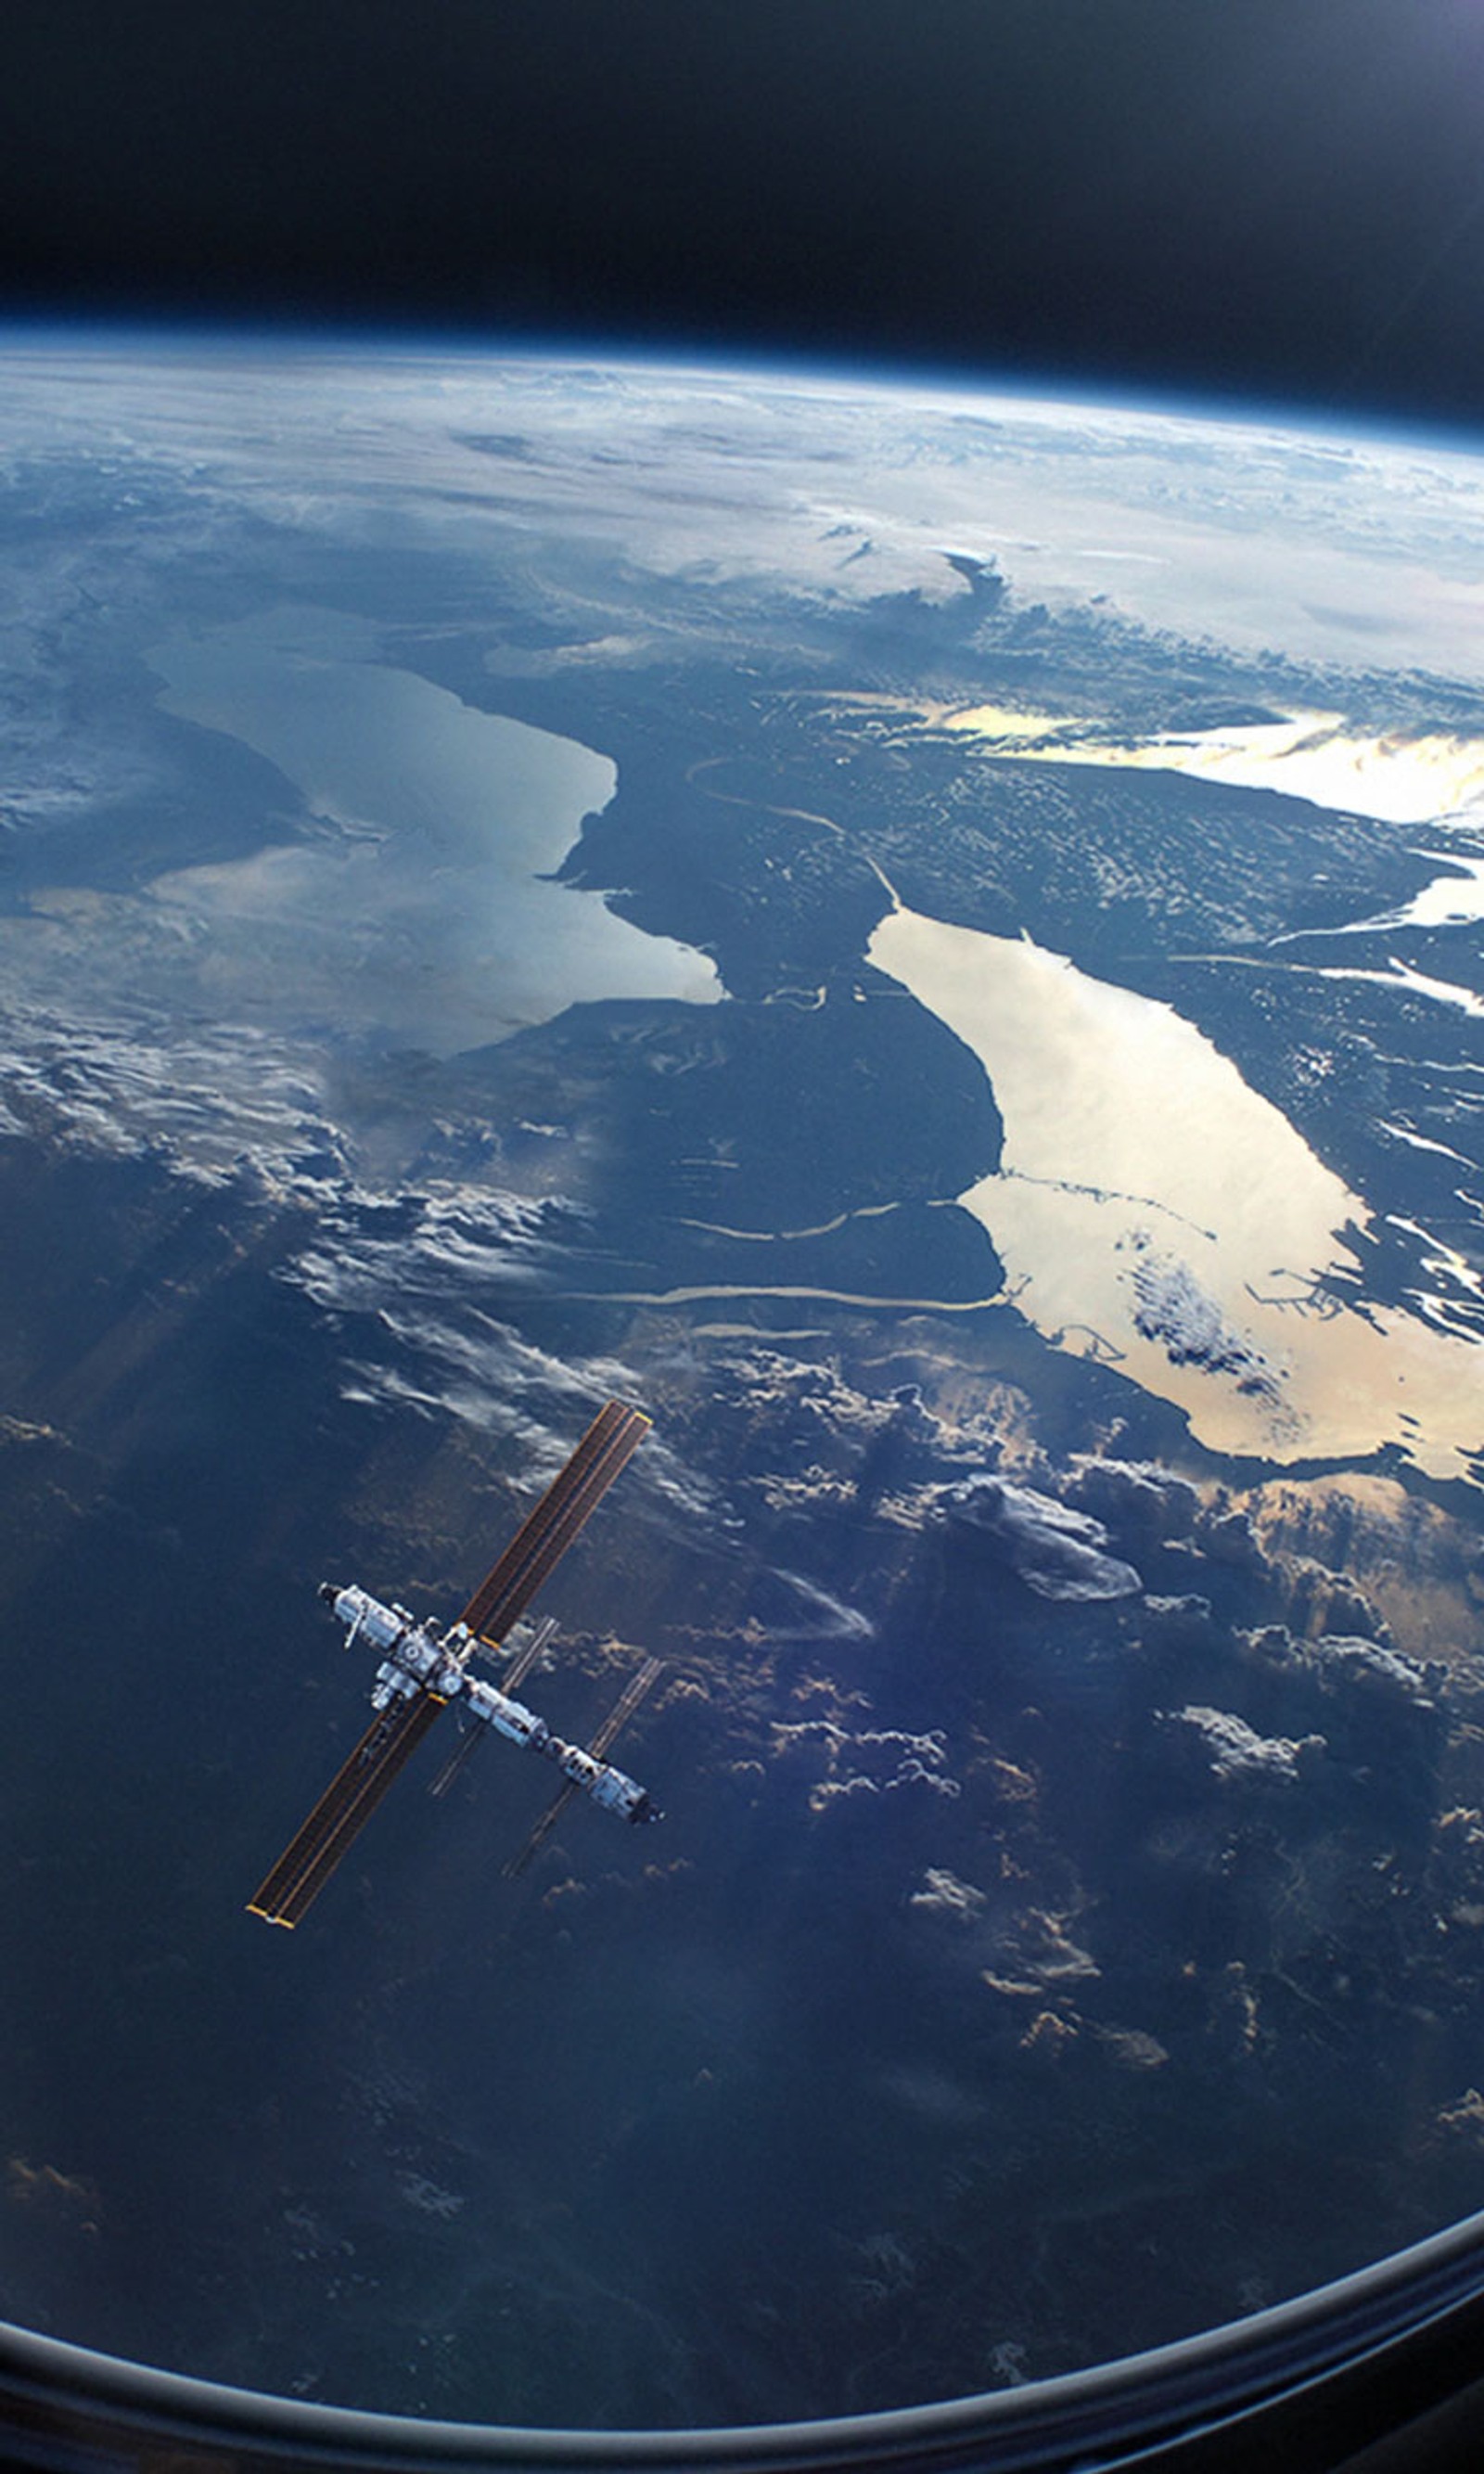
(425, 912)
(1153, 1209)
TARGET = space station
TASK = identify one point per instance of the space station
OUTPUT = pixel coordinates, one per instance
(421, 1672)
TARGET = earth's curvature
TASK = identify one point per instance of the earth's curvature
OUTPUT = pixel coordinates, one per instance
(933, 942)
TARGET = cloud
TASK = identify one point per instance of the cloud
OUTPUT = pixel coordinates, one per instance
(427, 1247)
(865, 1761)
(222, 1104)
(417, 1274)
(1132, 2049)
(808, 1612)
(1032, 1952)
(1183, 1622)
(1136, 1495)
(1234, 1752)
(1055, 1550)
(1347, 1666)
(1040, 1947)
(814, 1399)
(1228, 1537)
(1172, 1308)
(63, 2198)
(943, 1894)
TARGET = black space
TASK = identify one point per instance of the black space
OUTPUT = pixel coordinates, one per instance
(1278, 201)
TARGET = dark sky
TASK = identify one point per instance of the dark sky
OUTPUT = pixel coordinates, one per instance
(1277, 199)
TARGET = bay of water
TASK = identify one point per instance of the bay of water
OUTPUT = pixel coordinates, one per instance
(1153, 1209)
(427, 911)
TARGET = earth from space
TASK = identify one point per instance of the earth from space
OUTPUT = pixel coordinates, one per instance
(932, 941)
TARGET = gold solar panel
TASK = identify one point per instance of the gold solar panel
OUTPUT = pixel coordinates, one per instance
(344, 1809)
(546, 1532)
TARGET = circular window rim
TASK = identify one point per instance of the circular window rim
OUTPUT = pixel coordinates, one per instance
(75, 2395)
